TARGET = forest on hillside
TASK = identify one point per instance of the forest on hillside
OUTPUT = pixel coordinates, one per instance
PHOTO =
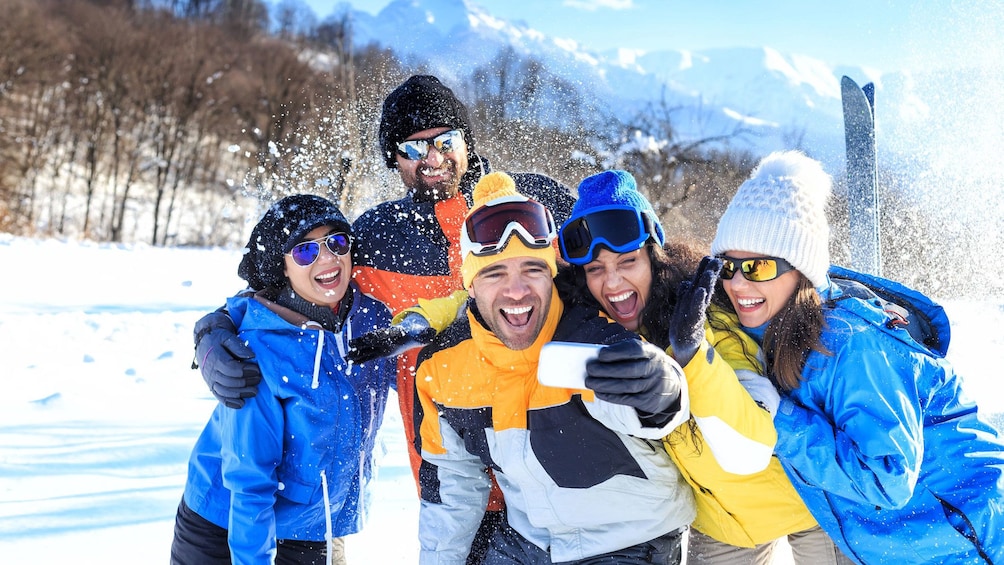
(163, 121)
(176, 122)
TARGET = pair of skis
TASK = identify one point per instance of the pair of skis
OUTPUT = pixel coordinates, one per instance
(862, 175)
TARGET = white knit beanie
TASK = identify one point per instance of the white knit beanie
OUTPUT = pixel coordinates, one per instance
(781, 212)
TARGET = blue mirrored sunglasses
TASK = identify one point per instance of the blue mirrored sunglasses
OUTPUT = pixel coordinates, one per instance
(418, 149)
(304, 254)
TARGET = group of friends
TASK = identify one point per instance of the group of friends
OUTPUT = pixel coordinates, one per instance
(737, 398)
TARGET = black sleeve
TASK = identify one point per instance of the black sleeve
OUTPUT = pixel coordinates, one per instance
(547, 191)
(583, 324)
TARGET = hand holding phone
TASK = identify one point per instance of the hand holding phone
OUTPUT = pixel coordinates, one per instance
(562, 364)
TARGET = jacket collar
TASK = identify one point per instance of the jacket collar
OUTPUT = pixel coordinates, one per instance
(306, 313)
(477, 167)
(496, 354)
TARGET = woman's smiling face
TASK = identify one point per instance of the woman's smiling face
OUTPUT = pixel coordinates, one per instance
(621, 283)
(757, 303)
(326, 279)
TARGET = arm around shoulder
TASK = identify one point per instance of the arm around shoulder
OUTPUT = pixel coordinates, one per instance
(225, 362)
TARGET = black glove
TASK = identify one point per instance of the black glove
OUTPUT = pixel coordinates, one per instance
(686, 329)
(583, 324)
(412, 331)
(226, 363)
(639, 374)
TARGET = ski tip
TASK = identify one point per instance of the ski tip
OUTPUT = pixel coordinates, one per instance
(869, 90)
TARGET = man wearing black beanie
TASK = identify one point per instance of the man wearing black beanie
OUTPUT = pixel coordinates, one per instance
(407, 249)
(420, 103)
(404, 253)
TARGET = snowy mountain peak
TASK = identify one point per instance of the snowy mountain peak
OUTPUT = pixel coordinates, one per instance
(779, 100)
(444, 16)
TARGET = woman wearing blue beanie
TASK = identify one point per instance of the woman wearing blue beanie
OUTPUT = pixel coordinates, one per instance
(621, 263)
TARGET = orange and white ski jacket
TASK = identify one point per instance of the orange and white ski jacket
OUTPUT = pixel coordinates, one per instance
(580, 476)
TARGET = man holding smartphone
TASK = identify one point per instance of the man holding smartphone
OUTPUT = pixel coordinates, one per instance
(578, 469)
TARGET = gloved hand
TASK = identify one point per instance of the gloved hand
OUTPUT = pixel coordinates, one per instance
(686, 328)
(412, 331)
(225, 362)
(639, 374)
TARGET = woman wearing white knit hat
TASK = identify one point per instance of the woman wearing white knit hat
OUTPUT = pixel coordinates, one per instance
(873, 430)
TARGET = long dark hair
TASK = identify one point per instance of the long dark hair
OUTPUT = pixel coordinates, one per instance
(791, 334)
(672, 263)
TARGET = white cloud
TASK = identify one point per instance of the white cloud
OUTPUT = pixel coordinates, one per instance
(593, 5)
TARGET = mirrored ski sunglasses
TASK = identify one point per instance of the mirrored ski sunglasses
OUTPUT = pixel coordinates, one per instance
(418, 149)
(754, 269)
(618, 228)
(304, 254)
(488, 229)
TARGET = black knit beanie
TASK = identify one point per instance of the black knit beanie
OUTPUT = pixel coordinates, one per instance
(420, 103)
(282, 227)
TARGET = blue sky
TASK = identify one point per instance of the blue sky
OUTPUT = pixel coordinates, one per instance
(887, 35)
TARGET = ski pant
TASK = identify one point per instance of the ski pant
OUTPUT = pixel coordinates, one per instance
(492, 521)
(809, 547)
(198, 541)
(508, 547)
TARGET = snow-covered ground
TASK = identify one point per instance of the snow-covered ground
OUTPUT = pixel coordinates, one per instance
(100, 409)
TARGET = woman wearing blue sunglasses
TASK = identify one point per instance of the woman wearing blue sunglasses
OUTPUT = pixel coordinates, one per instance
(873, 427)
(286, 477)
(620, 262)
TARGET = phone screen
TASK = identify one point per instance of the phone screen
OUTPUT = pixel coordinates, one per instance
(563, 364)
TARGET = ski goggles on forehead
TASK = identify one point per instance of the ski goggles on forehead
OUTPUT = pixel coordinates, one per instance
(304, 254)
(418, 149)
(487, 230)
(618, 228)
(754, 269)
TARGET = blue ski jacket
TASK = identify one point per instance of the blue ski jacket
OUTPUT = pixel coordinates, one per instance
(882, 444)
(300, 451)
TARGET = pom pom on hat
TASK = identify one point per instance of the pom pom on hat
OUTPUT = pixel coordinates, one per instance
(780, 211)
(489, 190)
(284, 225)
(492, 187)
(418, 104)
(614, 188)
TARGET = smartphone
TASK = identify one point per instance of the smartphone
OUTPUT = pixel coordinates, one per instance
(562, 364)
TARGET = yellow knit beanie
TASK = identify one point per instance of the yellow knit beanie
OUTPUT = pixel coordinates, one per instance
(492, 188)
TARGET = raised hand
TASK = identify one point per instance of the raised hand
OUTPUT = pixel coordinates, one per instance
(412, 331)
(686, 329)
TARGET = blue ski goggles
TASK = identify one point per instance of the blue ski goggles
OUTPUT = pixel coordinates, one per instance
(618, 228)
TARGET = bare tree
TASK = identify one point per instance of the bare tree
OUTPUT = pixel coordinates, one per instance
(293, 19)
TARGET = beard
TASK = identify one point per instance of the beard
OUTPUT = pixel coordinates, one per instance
(442, 184)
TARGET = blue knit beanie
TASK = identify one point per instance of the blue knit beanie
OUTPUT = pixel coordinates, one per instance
(615, 188)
